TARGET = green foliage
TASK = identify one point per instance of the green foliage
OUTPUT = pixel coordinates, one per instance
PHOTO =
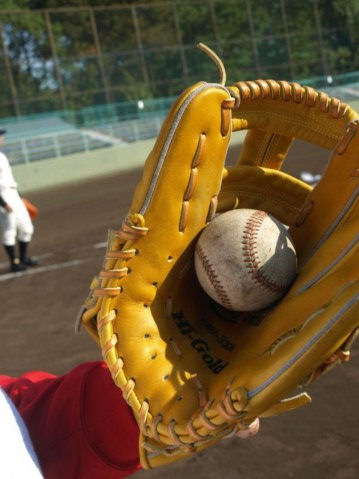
(123, 50)
(340, 23)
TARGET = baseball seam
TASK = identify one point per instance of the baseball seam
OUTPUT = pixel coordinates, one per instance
(250, 253)
(212, 276)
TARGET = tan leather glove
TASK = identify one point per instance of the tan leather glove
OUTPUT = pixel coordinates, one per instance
(194, 372)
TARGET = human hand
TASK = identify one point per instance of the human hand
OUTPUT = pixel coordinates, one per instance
(252, 430)
(8, 208)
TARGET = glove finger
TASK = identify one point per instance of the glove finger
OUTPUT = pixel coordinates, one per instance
(277, 112)
(263, 189)
(336, 194)
(174, 200)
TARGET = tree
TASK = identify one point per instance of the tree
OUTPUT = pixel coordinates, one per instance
(85, 52)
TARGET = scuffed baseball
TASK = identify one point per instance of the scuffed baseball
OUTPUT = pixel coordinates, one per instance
(245, 259)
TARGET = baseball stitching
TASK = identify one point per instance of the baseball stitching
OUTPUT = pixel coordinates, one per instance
(250, 252)
(212, 276)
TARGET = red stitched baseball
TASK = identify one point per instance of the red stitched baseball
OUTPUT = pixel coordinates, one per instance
(250, 252)
(212, 276)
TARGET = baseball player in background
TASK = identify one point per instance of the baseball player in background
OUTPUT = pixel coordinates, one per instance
(14, 218)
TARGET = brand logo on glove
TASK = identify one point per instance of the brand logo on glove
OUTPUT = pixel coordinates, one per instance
(216, 365)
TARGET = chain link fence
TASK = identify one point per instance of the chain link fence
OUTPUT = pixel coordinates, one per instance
(69, 58)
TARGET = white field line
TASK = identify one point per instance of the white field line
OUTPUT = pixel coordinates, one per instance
(42, 269)
(39, 257)
(100, 245)
(48, 255)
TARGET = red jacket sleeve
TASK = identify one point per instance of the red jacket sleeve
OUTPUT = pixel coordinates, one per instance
(79, 423)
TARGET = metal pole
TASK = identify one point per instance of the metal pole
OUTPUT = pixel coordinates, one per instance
(140, 46)
(180, 43)
(9, 73)
(215, 28)
(99, 55)
(320, 38)
(254, 45)
(285, 23)
(55, 57)
(55, 141)
(24, 151)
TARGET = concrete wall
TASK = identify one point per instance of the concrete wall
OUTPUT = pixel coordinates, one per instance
(45, 174)
(73, 168)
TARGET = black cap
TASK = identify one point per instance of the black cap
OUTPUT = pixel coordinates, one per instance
(2, 131)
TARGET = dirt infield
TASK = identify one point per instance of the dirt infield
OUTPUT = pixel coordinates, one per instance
(39, 309)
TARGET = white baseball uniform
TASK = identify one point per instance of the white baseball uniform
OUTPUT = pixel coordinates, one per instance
(16, 224)
(17, 455)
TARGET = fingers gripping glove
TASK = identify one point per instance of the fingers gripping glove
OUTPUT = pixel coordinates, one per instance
(192, 371)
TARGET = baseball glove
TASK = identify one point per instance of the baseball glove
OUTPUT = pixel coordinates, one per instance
(192, 371)
(31, 209)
